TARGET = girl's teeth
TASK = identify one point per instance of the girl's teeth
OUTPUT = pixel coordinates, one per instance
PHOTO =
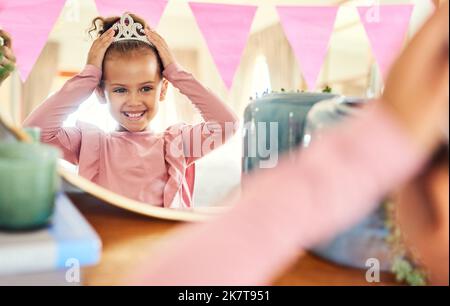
(134, 115)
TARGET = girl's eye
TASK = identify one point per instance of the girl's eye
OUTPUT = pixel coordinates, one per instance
(120, 90)
(146, 89)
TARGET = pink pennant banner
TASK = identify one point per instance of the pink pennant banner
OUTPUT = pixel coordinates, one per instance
(386, 27)
(308, 30)
(29, 22)
(226, 29)
(150, 10)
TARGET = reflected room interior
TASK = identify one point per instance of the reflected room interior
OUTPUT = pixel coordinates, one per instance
(268, 65)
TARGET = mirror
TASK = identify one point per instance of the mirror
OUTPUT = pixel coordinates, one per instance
(263, 68)
(73, 182)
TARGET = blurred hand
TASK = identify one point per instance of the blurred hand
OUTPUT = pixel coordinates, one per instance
(417, 89)
(7, 58)
(99, 47)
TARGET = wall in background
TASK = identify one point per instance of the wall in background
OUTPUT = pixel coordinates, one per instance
(346, 69)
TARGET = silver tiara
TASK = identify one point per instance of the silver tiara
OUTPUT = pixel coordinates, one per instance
(128, 29)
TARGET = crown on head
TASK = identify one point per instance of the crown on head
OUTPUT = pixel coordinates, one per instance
(128, 29)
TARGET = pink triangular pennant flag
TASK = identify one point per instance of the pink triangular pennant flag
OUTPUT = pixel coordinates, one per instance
(308, 30)
(386, 27)
(150, 10)
(226, 29)
(29, 22)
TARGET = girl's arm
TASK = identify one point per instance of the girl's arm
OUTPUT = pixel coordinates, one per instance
(329, 187)
(220, 121)
(51, 114)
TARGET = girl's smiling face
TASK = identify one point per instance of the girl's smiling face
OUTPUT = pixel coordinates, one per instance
(133, 87)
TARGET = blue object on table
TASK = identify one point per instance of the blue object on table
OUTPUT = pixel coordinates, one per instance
(69, 237)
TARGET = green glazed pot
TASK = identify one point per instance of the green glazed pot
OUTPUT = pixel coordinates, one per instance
(28, 185)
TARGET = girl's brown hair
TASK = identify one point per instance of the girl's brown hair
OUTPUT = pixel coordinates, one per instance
(100, 25)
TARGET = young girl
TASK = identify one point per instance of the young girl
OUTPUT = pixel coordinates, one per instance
(129, 67)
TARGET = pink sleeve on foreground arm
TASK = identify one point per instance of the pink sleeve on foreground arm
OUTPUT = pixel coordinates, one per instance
(52, 113)
(220, 121)
(329, 187)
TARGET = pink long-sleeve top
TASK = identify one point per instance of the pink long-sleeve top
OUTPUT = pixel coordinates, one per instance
(153, 168)
(329, 187)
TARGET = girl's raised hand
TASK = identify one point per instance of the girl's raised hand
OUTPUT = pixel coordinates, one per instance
(99, 47)
(160, 44)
